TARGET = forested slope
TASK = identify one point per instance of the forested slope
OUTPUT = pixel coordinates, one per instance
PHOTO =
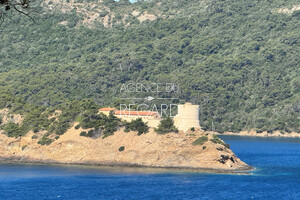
(239, 60)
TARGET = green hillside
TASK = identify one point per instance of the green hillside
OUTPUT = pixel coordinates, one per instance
(239, 60)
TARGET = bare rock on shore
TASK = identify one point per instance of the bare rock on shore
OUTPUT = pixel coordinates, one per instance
(148, 150)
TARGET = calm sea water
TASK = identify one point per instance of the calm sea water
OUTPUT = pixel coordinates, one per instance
(277, 176)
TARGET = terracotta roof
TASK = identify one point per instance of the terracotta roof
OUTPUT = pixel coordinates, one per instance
(107, 109)
(135, 113)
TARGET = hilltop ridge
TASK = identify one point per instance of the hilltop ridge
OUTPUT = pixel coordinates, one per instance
(238, 60)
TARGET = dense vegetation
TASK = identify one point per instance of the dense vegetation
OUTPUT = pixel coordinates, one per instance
(52, 123)
(98, 123)
(166, 125)
(137, 125)
(38, 118)
(239, 60)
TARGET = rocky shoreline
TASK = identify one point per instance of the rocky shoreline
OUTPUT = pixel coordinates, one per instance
(263, 134)
(23, 160)
(170, 151)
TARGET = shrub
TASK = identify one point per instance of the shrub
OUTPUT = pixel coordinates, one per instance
(45, 141)
(35, 129)
(111, 125)
(127, 130)
(193, 129)
(52, 119)
(200, 140)
(217, 140)
(24, 147)
(122, 148)
(12, 130)
(35, 120)
(137, 125)
(62, 127)
(166, 126)
(83, 133)
(77, 126)
(204, 147)
(34, 137)
(91, 133)
(91, 119)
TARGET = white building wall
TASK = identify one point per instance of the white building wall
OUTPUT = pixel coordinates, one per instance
(187, 117)
(152, 121)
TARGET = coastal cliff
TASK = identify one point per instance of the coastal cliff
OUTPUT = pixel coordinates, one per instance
(173, 150)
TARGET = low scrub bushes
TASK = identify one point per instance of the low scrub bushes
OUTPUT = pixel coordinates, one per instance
(217, 140)
(200, 140)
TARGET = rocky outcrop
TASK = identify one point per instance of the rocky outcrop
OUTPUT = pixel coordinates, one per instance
(148, 150)
(7, 117)
(289, 10)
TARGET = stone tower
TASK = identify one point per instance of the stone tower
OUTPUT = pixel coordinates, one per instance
(187, 117)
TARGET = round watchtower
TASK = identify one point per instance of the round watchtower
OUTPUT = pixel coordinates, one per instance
(187, 117)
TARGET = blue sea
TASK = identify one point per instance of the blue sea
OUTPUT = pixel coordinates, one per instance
(277, 176)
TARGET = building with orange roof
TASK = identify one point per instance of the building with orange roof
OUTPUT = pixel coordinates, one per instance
(187, 117)
(136, 113)
(152, 118)
(106, 111)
